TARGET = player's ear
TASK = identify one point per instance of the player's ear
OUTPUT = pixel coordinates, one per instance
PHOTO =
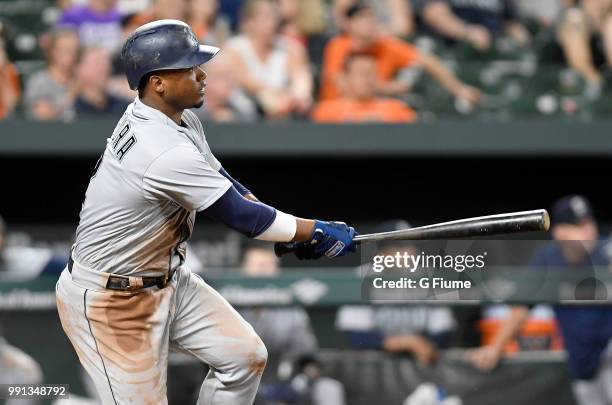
(157, 83)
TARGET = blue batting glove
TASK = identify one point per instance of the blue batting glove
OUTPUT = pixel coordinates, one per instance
(331, 239)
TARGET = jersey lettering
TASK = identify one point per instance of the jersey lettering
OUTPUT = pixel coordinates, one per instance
(126, 146)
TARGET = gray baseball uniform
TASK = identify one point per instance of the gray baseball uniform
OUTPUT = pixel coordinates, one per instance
(138, 212)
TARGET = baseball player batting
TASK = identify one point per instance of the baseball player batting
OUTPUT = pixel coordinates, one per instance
(126, 297)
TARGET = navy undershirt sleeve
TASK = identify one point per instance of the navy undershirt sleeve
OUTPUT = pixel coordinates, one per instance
(241, 189)
(250, 218)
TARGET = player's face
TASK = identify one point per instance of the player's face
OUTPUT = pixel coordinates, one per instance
(184, 88)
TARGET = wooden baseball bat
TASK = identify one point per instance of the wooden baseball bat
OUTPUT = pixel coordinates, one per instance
(490, 225)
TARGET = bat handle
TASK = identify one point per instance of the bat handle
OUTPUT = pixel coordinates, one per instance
(282, 248)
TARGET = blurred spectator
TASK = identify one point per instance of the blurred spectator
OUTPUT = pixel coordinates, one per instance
(474, 22)
(118, 84)
(394, 16)
(92, 76)
(392, 55)
(305, 21)
(17, 367)
(585, 34)
(360, 102)
(48, 93)
(586, 329)
(286, 332)
(9, 89)
(97, 23)
(223, 102)
(418, 330)
(203, 18)
(159, 10)
(274, 72)
(230, 9)
(544, 12)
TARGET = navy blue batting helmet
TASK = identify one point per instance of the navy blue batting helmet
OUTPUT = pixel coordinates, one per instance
(162, 45)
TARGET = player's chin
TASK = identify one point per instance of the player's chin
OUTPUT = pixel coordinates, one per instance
(199, 103)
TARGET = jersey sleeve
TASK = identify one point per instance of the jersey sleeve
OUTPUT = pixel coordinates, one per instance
(183, 175)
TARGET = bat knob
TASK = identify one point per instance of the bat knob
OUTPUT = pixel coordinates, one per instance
(282, 248)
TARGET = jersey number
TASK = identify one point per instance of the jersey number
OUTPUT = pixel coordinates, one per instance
(121, 149)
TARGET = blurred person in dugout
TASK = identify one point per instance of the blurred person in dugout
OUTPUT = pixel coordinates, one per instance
(92, 79)
(416, 330)
(291, 343)
(360, 102)
(21, 262)
(286, 331)
(474, 22)
(584, 32)
(49, 93)
(586, 329)
(273, 71)
(224, 102)
(18, 367)
(395, 17)
(97, 23)
(392, 55)
(9, 83)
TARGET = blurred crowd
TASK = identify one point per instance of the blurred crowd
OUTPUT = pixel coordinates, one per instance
(324, 60)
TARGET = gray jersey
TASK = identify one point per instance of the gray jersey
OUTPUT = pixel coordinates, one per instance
(140, 205)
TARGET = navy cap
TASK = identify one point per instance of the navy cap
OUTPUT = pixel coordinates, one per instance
(571, 210)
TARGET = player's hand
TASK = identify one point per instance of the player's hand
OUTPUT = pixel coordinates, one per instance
(484, 358)
(331, 239)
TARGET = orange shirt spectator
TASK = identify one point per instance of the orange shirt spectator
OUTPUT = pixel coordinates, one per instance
(375, 110)
(9, 94)
(360, 103)
(391, 55)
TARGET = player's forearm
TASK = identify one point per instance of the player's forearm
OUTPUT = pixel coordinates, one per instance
(510, 327)
(304, 229)
(258, 220)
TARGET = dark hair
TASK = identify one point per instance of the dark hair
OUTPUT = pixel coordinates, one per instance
(355, 9)
(143, 83)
